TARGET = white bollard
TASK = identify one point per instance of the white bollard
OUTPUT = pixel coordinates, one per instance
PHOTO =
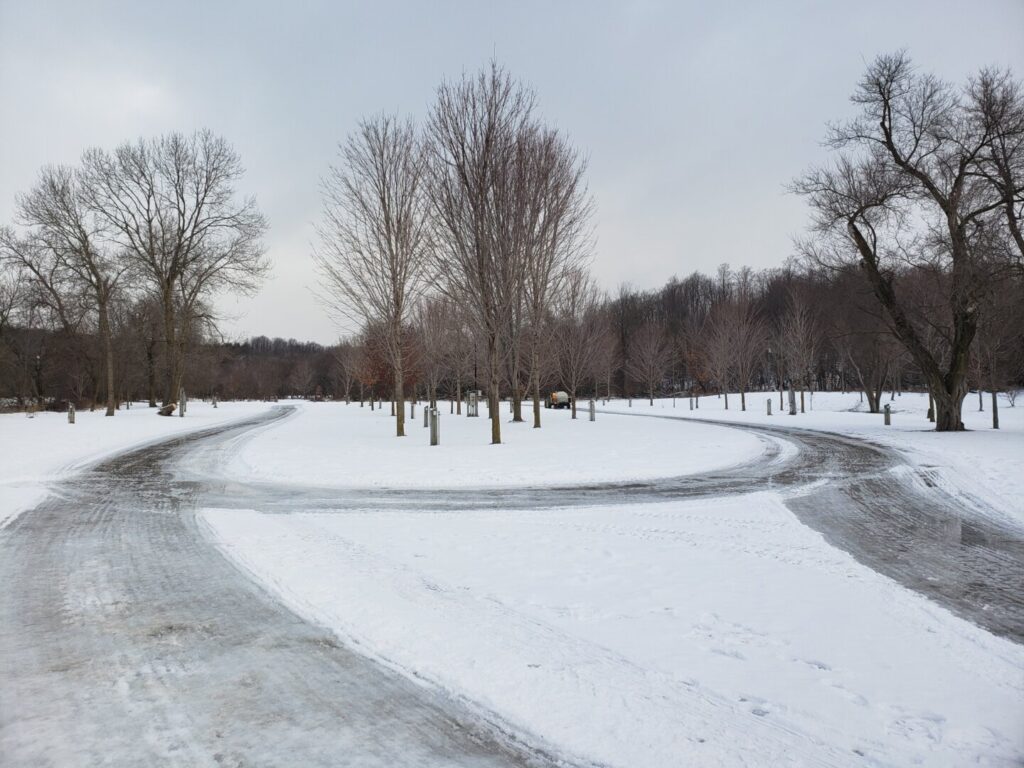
(769, 403)
(435, 427)
(888, 415)
(71, 413)
(593, 411)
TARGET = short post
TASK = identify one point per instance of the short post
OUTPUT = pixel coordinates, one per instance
(426, 415)
(673, 401)
(630, 402)
(182, 405)
(214, 402)
(71, 413)
(593, 411)
(888, 415)
(691, 403)
(435, 427)
(792, 401)
(769, 403)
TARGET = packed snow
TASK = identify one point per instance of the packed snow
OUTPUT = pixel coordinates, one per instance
(334, 444)
(707, 632)
(44, 448)
(984, 467)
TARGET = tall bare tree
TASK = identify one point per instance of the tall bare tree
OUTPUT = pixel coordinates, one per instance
(473, 131)
(171, 205)
(76, 242)
(650, 355)
(576, 334)
(374, 257)
(558, 241)
(907, 192)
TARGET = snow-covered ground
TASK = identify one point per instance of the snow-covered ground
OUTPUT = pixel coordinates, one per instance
(42, 449)
(334, 444)
(707, 632)
(983, 466)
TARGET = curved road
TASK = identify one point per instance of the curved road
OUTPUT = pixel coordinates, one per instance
(127, 639)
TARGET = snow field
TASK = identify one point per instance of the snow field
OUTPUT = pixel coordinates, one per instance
(704, 633)
(334, 444)
(45, 448)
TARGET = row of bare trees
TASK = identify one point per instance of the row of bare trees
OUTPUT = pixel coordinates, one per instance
(150, 231)
(465, 228)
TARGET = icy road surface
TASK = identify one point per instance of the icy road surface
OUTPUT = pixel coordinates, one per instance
(127, 638)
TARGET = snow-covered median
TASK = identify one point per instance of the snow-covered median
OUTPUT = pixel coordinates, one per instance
(334, 444)
(44, 448)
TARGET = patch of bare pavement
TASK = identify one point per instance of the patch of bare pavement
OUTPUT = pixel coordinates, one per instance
(126, 638)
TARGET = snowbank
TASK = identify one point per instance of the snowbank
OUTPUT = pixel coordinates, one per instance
(334, 444)
(45, 448)
(703, 633)
(984, 467)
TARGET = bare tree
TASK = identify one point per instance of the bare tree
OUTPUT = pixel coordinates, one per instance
(801, 340)
(69, 242)
(576, 333)
(715, 344)
(558, 237)
(473, 130)
(375, 249)
(171, 205)
(906, 191)
(650, 356)
(345, 367)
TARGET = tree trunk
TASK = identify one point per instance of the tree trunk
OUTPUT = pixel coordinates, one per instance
(108, 351)
(171, 346)
(535, 386)
(572, 402)
(726, 400)
(947, 410)
(151, 373)
(492, 396)
(802, 400)
(458, 395)
(981, 400)
(995, 408)
(743, 400)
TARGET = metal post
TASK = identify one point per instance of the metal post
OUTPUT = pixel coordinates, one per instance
(593, 411)
(769, 404)
(71, 413)
(888, 415)
(435, 427)
(426, 415)
(691, 403)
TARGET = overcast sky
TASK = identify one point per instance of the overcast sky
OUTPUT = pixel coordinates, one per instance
(693, 115)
